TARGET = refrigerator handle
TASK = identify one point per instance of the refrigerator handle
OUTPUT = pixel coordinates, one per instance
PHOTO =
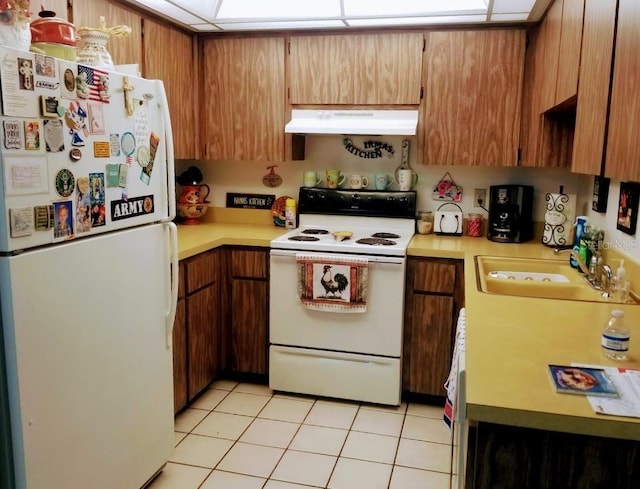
(171, 169)
(170, 314)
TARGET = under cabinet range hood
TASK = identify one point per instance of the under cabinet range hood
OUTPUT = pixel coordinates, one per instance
(365, 122)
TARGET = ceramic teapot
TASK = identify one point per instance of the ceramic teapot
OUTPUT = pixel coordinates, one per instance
(194, 194)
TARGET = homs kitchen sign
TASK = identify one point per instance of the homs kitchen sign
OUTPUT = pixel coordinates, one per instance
(371, 149)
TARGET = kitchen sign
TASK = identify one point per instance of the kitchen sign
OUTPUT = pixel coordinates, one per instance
(372, 149)
(250, 201)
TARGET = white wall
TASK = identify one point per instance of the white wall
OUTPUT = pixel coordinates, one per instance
(324, 152)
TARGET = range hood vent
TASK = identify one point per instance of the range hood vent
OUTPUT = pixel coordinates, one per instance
(365, 122)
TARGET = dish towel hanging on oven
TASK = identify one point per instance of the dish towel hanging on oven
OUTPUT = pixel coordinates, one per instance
(451, 385)
(333, 283)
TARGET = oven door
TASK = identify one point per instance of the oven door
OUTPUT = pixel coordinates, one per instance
(378, 331)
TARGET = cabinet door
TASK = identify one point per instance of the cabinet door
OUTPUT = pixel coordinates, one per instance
(180, 357)
(472, 105)
(431, 344)
(201, 338)
(550, 37)
(249, 263)
(249, 326)
(593, 93)
(244, 98)
(123, 50)
(362, 69)
(570, 49)
(169, 56)
(623, 150)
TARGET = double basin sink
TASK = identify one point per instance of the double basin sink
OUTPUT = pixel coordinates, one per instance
(533, 277)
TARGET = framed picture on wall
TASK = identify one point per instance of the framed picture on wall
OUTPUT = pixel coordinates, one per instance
(628, 207)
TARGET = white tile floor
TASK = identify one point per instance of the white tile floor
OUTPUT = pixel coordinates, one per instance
(241, 436)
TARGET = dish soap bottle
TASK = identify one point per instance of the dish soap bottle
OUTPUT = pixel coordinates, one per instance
(581, 224)
(615, 337)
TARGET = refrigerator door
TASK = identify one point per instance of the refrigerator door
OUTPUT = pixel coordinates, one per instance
(73, 166)
(88, 367)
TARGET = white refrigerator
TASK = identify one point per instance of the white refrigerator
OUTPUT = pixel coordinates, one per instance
(88, 274)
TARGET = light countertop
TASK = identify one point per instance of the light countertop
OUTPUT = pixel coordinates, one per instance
(510, 340)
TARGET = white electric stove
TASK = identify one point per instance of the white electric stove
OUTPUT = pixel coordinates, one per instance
(335, 352)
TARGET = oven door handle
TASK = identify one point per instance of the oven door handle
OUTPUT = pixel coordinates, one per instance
(396, 260)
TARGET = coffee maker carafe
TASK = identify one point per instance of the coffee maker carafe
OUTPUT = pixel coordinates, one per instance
(510, 213)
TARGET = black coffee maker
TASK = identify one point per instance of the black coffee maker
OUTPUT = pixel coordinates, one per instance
(510, 213)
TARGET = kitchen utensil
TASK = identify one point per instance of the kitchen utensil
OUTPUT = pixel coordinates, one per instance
(510, 213)
(560, 213)
(406, 178)
(448, 222)
(51, 29)
(311, 179)
(334, 178)
(383, 181)
(358, 181)
(342, 235)
(55, 50)
(425, 222)
(272, 179)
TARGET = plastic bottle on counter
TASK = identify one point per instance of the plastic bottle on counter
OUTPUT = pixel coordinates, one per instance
(580, 226)
(615, 337)
(290, 214)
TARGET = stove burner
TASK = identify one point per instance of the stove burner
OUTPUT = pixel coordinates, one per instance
(385, 235)
(303, 238)
(376, 242)
(315, 231)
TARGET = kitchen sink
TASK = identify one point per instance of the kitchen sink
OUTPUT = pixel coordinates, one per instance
(535, 277)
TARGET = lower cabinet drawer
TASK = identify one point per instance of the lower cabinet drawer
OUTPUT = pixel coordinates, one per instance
(335, 374)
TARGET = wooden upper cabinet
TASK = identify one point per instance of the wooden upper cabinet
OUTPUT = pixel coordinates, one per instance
(364, 69)
(123, 50)
(471, 112)
(623, 150)
(549, 36)
(169, 56)
(562, 39)
(593, 93)
(570, 50)
(244, 98)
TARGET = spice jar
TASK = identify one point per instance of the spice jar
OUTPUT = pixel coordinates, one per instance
(474, 225)
(425, 222)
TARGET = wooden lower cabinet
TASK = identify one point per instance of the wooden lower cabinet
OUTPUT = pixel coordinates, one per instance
(248, 337)
(249, 341)
(508, 457)
(202, 308)
(180, 356)
(196, 327)
(434, 294)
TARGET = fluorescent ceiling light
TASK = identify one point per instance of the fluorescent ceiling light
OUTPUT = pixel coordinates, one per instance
(450, 19)
(397, 8)
(278, 9)
(253, 15)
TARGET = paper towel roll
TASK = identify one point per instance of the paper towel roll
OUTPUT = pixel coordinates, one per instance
(558, 219)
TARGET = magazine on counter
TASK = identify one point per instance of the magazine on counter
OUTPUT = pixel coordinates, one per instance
(587, 381)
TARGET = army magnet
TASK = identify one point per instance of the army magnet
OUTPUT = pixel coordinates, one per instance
(65, 183)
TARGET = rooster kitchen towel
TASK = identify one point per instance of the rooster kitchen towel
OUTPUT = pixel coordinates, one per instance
(333, 283)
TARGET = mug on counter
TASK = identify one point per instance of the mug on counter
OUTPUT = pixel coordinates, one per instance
(383, 181)
(407, 178)
(358, 181)
(311, 179)
(334, 178)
